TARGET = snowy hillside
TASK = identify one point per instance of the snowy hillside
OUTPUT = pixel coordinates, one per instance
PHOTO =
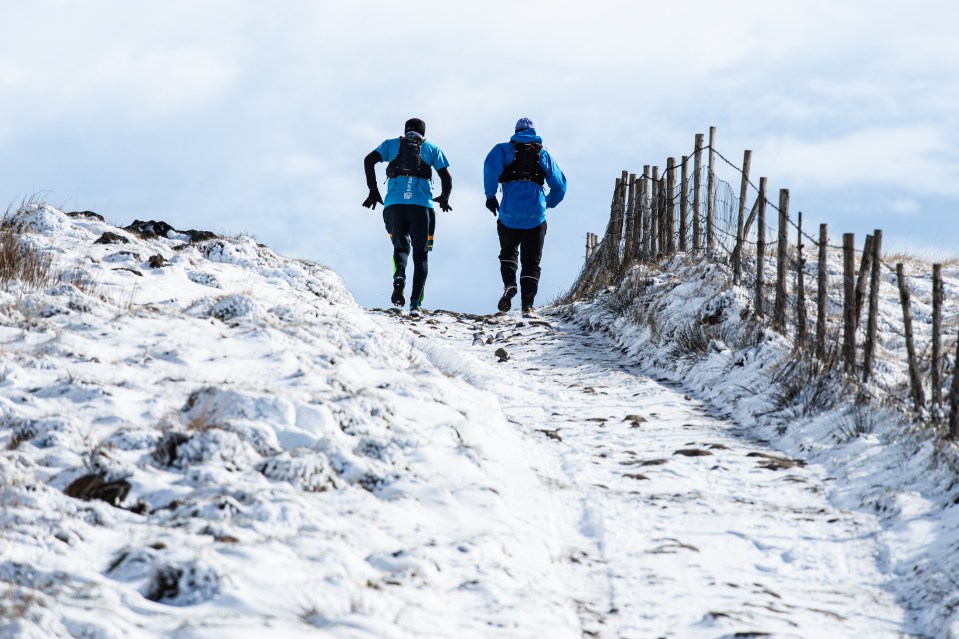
(280, 461)
(204, 439)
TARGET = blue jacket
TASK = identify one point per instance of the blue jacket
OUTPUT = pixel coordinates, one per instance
(411, 190)
(524, 203)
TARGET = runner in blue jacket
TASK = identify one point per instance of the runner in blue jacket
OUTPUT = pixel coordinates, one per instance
(408, 211)
(522, 166)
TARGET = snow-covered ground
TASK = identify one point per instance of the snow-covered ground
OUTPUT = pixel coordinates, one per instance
(277, 461)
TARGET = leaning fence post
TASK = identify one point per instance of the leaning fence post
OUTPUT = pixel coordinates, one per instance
(741, 222)
(800, 289)
(849, 300)
(761, 247)
(643, 223)
(821, 297)
(779, 311)
(711, 191)
(864, 268)
(873, 319)
(915, 382)
(937, 334)
(683, 204)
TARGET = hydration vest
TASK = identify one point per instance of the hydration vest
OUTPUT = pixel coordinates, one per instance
(525, 165)
(409, 160)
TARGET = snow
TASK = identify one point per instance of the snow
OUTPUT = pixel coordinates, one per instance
(299, 466)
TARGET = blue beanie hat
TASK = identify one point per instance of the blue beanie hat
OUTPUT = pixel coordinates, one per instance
(524, 123)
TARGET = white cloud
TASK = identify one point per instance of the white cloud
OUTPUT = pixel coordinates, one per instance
(907, 158)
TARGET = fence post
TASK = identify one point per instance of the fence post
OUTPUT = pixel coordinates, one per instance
(761, 247)
(671, 205)
(589, 245)
(630, 219)
(620, 221)
(936, 334)
(821, 294)
(779, 311)
(864, 267)
(750, 218)
(954, 399)
(663, 218)
(800, 289)
(654, 229)
(873, 319)
(741, 222)
(849, 300)
(697, 186)
(683, 204)
(915, 382)
(711, 191)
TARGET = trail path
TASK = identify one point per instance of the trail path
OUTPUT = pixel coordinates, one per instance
(672, 522)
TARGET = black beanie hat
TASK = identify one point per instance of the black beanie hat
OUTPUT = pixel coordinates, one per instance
(415, 124)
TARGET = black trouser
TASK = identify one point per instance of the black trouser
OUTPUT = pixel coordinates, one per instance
(411, 224)
(527, 246)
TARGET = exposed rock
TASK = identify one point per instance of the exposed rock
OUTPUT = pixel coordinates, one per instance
(95, 486)
(111, 238)
(200, 236)
(87, 214)
(502, 354)
(692, 452)
(157, 261)
(150, 228)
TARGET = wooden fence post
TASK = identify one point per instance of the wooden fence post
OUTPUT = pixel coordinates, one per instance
(750, 218)
(697, 186)
(589, 245)
(822, 298)
(779, 311)
(711, 191)
(671, 206)
(937, 334)
(741, 220)
(630, 219)
(761, 247)
(865, 267)
(849, 300)
(683, 204)
(623, 213)
(954, 399)
(654, 229)
(915, 382)
(663, 217)
(800, 289)
(873, 320)
(646, 210)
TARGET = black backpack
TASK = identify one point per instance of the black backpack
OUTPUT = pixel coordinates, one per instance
(525, 165)
(409, 160)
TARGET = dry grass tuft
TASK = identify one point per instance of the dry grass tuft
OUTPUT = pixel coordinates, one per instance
(19, 262)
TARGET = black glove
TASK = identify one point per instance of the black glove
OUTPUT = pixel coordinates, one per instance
(492, 204)
(372, 199)
(444, 202)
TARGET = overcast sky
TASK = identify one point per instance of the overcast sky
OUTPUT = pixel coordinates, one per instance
(254, 117)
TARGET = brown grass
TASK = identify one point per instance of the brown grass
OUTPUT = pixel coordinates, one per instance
(19, 262)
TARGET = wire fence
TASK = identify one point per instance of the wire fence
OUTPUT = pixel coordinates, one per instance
(830, 299)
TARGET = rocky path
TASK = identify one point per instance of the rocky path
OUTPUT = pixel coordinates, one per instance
(672, 522)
